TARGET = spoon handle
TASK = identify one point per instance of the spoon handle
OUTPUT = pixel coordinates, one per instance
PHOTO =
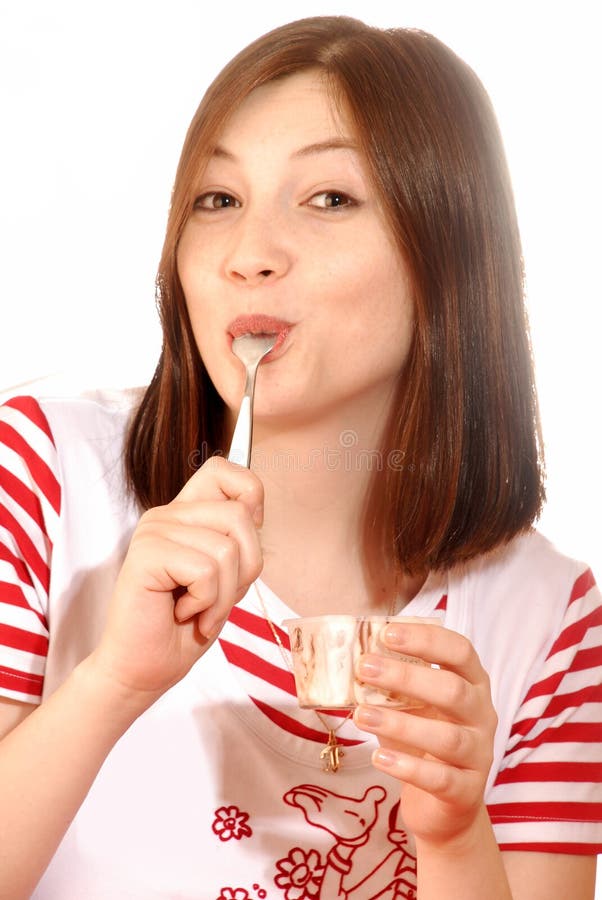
(240, 448)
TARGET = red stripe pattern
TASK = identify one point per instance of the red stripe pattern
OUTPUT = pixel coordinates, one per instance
(255, 665)
(287, 723)
(552, 769)
(13, 681)
(30, 502)
(257, 626)
(31, 408)
(255, 654)
(577, 848)
(259, 662)
(534, 812)
(39, 470)
(442, 605)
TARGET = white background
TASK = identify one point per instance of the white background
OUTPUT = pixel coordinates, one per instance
(95, 99)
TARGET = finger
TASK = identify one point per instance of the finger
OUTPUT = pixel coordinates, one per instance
(190, 523)
(211, 621)
(449, 742)
(219, 479)
(437, 645)
(219, 589)
(446, 691)
(445, 782)
(173, 564)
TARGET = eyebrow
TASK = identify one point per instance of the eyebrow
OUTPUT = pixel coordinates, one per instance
(220, 152)
(325, 146)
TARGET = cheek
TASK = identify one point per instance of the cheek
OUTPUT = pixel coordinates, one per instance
(183, 268)
(191, 280)
(193, 260)
(186, 264)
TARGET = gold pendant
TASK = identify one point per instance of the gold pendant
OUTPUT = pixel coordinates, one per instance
(332, 753)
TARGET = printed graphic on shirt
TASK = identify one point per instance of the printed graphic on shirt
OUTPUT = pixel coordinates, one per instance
(355, 867)
(369, 858)
(231, 823)
(240, 893)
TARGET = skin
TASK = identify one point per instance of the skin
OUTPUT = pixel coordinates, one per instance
(280, 249)
(207, 539)
(271, 247)
(286, 223)
(286, 230)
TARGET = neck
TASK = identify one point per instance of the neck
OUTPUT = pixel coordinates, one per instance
(316, 479)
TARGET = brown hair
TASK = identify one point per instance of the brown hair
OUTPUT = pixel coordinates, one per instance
(466, 417)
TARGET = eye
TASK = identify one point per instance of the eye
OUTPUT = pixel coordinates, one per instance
(331, 200)
(215, 200)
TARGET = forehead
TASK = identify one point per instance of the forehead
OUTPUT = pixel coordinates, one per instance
(298, 109)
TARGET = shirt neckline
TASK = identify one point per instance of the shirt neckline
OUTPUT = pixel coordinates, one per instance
(248, 692)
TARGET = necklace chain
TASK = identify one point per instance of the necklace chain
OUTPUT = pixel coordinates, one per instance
(332, 752)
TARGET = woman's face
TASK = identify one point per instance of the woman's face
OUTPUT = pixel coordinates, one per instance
(287, 235)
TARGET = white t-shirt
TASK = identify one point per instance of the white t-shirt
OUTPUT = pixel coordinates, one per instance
(218, 791)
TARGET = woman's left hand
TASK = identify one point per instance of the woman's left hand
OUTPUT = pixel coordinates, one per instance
(442, 752)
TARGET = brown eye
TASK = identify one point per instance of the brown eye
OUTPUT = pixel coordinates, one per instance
(331, 200)
(214, 200)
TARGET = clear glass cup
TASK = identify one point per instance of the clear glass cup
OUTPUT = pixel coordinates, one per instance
(325, 651)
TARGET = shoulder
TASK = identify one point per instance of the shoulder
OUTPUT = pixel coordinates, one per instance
(527, 574)
(57, 443)
(62, 419)
(516, 605)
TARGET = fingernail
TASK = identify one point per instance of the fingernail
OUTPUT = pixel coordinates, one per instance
(384, 757)
(369, 715)
(395, 634)
(213, 630)
(370, 667)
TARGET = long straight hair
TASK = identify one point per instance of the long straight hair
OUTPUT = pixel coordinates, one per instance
(465, 420)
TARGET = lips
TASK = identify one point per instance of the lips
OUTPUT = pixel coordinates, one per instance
(258, 324)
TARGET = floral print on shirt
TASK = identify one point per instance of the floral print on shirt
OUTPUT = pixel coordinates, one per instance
(230, 823)
(356, 866)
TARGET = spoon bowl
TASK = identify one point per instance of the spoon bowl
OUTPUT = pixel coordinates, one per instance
(251, 348)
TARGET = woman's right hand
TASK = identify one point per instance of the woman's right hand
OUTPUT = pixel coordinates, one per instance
(187, 564)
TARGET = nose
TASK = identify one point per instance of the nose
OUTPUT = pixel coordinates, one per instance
(257, 252)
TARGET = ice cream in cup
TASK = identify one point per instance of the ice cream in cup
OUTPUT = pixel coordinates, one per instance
(325, 651)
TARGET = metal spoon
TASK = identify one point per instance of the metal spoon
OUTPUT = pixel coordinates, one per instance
(250, 349)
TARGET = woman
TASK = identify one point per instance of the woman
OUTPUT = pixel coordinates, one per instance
(343, 188)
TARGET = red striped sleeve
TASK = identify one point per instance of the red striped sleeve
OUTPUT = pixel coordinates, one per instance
(29, 497)
(566, 733)
(13, 595)
(560, 703)
(552, 771)
(552, 811)
(17, 564)
(577, 848)
(584, 659)
(584, 583)
(19, 639)
(27, 549)
(551, 774)
(576, 631)
(31, 408)
(23, 496)
(41, 473)
(15, 682)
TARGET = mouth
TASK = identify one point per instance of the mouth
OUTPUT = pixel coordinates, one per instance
(260, 324)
